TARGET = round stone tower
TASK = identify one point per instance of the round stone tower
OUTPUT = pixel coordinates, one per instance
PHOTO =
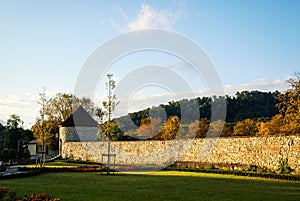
(79, 127)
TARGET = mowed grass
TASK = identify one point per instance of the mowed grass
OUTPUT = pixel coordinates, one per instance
(59, 164)
(162, 186)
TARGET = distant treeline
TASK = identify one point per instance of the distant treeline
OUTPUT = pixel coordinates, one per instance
(255, 105)
(252, 113)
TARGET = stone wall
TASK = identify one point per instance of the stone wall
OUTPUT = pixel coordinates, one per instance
(263, 152)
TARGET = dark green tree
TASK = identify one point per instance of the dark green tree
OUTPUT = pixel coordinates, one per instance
(12, 137)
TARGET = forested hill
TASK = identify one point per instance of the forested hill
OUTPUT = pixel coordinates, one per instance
(244, 105)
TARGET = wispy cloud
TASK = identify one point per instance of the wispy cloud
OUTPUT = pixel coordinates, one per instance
(148, 17)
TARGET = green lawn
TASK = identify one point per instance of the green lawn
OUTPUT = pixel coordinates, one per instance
(162, 186)
(58, 164)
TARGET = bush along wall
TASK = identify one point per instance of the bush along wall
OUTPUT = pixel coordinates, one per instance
(231, 169)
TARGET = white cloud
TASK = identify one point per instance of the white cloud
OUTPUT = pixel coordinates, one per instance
(148, 17)
(260, 85)
(25, 105)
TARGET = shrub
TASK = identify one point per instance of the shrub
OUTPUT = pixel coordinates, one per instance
(4, 154)
(252, 168)
(6, 194)
(211, 167)
(283, 166)
(24, 154)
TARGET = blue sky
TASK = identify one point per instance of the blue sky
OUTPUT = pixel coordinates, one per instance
(254, 44)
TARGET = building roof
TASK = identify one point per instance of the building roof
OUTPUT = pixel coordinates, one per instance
(31, 142)
(80, 117)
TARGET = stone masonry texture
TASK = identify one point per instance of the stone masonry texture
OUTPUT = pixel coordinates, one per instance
(264, 152)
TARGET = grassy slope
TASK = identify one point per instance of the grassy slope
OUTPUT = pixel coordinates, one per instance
(158, 186)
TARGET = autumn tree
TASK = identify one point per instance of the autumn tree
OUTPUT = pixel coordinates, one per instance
(228, 130)
(289, 106)
(272, 127)
(49, 130)
(198, 128)
(246, 127)
(150, 126)
(171, 128)
(216, 127)
(288, 120)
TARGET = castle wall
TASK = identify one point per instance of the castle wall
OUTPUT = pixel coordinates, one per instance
(259, 151)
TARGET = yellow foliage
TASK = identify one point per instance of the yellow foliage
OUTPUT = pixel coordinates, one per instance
(198, 128)
(149, 127)
(247, 127)
(289, 107)
(171, 128)
(216, 128)
(43, 130)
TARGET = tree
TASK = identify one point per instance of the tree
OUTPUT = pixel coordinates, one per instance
(46, 128)
(53, 112)
(1, 136)
(199, 128)
(216, 127)
(11, 137)
(109, 127)
(150, 126)
(250, 104)
(273, 127)
(244, 105)
(14, 122)
(289, 107)
(13, 132)
(227, 130)
(171, 128)
(108, 106)
(247, 127)
(61, 106)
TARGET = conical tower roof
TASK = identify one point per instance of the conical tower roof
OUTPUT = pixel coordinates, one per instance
(80, 117)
